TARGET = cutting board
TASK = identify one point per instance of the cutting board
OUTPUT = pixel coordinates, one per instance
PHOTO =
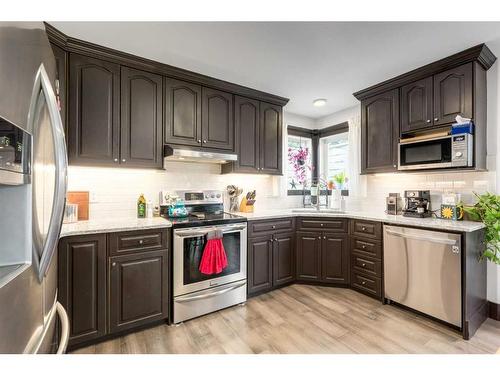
(81, 198)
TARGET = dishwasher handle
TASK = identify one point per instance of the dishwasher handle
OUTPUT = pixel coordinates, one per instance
(443, 241)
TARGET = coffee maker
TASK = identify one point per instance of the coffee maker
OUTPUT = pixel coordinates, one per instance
(417, 203)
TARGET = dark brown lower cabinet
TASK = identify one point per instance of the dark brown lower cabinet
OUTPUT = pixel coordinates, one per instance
(138, 289)
(335, 259)
(283, 259)
(309, 256)
(82, 285)
(260, 264)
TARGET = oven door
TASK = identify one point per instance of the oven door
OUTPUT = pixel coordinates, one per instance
(425, 154)
(189, 244)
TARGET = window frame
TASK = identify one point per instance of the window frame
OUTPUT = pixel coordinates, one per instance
(315, 135)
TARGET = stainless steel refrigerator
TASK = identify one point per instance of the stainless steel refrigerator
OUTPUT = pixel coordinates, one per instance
(33, 165)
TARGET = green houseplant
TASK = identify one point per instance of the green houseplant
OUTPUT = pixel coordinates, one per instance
(487, 210)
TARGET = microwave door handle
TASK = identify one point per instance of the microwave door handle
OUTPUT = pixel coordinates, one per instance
(42, 90)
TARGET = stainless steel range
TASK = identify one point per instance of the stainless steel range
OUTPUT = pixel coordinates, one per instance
(195, 293)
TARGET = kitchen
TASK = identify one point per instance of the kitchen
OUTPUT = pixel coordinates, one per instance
(202, 215)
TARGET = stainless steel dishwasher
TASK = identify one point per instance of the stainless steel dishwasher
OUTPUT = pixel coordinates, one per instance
(422, 270)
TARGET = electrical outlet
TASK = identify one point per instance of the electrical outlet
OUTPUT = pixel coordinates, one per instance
(92, 197)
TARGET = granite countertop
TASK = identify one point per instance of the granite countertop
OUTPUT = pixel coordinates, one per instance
(113, 225)
(431, 223)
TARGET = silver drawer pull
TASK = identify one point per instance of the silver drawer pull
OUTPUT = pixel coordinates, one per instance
(364, 264)
(141, 242)
(321, 225)
(363, 282)
(363, 228)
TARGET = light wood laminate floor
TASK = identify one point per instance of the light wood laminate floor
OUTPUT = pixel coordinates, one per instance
(306, 319)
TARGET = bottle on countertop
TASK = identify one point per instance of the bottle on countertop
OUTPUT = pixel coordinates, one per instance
(149, 211)
(141, 207)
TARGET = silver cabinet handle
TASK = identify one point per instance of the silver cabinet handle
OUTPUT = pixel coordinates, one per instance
(324, 237)
(321, 224)
(199, 140)
(43, 92)
(115, 160)
(141, 242)
(274, 227)
(363, 264)
(444, 241)
(124, 160)
(319, 237)
(436, 119)
(428, 121)
(363, 228)
(208, 295)
(363, 282)
(204, 141)
(113, 264)
(63, 316)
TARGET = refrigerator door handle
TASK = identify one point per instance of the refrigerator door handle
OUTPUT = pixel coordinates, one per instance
(42, 86)
(63, 316)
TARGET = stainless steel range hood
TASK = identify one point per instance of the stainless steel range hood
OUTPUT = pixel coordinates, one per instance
(179, 153)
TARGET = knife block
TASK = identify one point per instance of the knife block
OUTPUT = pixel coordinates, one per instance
(246, 205)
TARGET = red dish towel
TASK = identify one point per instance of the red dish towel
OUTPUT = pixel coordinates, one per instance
(214, 259)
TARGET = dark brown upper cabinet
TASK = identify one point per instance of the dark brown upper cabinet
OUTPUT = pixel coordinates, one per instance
(380, 132)
(138, 289)
(217, 122)
(335, 258)
(271, 138)
(141, 118)
(183, 113)
(247, 140)
(94, 111)
(453, 94)
(82, 285)
(416, 105)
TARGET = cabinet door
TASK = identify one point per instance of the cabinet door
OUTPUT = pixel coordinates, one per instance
(141, 118)
(335, 259)
(379, 132)
(271, 138)
(416, 105)
(453, 94)
(183, 113)
(61, 75)
(283, 259)
(138, 289)
(94, 111)
(260, 264)
(247, 130)
(217, 119)
(308, 256)
(82, 285)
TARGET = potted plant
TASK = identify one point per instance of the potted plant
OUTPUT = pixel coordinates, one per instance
(487, 210)
(340, 179)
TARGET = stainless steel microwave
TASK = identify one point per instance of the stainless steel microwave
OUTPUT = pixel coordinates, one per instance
(450, 151)
(15, 154)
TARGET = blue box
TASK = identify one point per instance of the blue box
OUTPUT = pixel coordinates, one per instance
(467, 127)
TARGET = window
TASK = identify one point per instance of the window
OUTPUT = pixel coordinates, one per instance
(298, 170)
(334, 152)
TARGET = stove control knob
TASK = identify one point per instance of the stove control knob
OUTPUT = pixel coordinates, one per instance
(207, 196)
(458, 154)
(212, 196)
(218, 195)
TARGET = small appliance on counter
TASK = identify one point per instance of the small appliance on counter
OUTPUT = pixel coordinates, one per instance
(417, 203)
(450, 207)
(234, 192)
(70, 213)
(394, 204)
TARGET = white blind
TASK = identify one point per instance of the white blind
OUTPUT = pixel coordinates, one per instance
(334, 155)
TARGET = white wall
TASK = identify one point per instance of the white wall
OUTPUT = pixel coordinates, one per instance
(337, 117)
(298, 120)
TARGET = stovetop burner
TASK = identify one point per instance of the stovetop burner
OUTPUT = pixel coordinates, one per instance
(204, 207)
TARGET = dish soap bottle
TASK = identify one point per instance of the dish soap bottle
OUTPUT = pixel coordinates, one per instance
(141, 207)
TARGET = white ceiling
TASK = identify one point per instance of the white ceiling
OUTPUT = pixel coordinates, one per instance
(299, 60)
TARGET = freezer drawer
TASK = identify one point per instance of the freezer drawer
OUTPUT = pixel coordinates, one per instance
(422, 270)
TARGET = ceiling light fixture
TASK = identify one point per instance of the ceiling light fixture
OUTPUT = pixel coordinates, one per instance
(319, 102)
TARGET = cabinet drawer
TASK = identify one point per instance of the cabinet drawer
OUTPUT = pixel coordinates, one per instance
(332, 225)
(368, 284)
(258, 228)
(369, 229)
(142, 240)
(366, 265)
(366, 247)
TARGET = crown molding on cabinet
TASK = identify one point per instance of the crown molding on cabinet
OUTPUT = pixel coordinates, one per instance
(480, 53)
(75, 45)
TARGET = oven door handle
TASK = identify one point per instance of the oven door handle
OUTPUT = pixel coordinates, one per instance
(191, 233)
(213, 294)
